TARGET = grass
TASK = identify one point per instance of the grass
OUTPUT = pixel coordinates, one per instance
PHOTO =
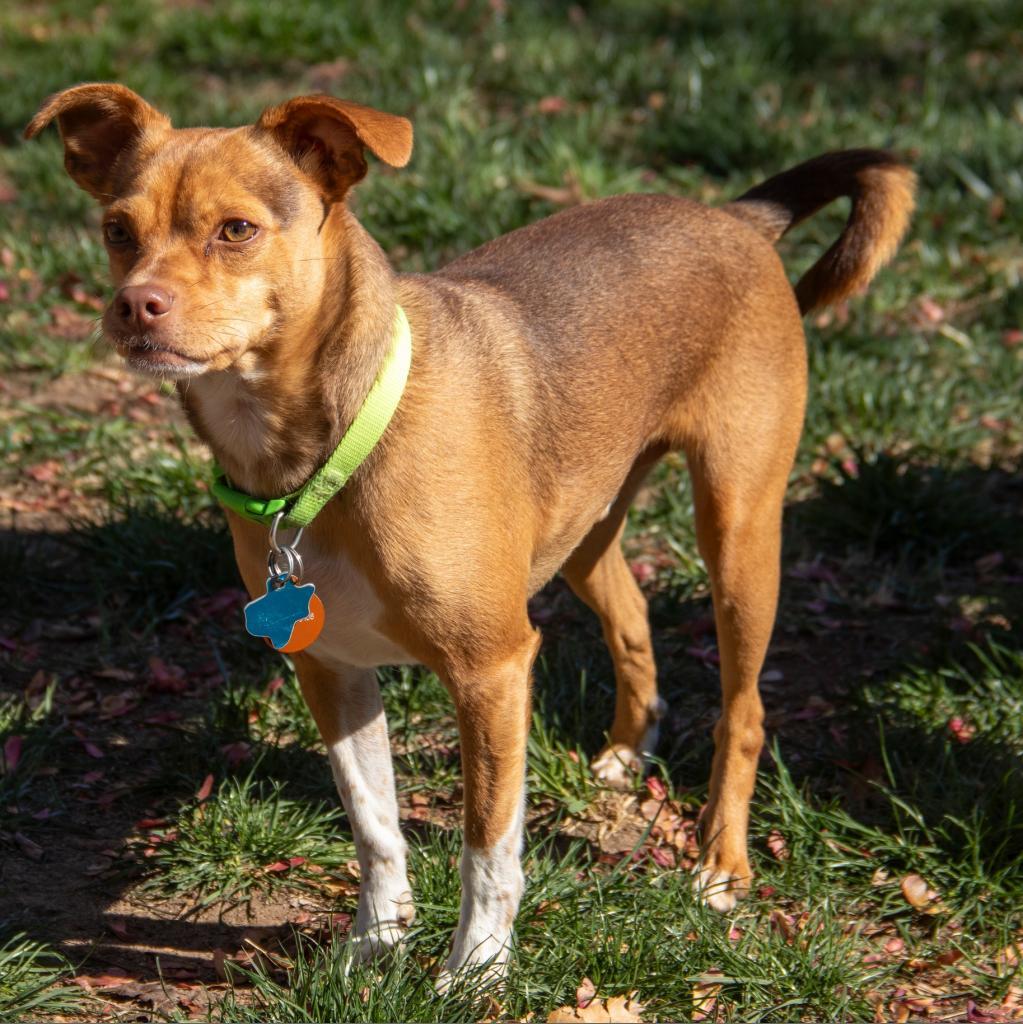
(29, 974)
(894, 686)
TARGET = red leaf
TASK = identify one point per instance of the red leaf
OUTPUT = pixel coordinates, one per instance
(92, 750)
(44, 472)
(978, 1016)
(661, 857)
(585, 993)
(777, 846)
(119, 928)
(656, 788)
(236, 753)
(552, 105)
(164, 678)
(279, 866)
(12, 753)
(205, 789)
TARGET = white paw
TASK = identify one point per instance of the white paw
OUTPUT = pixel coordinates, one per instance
(381, 924)
(718, 889)
(618, 767)
(485, 964)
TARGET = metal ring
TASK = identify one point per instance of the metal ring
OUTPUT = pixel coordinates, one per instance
(295, 565)
(273, 534)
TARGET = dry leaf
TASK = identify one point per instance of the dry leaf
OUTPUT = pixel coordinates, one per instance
(705, 998)
(615, 1010)
(916, 891)
(585, 993)
(205, 789)
(777, 846)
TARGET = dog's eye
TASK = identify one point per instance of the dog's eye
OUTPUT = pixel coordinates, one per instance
(238, 231)
(115, 234)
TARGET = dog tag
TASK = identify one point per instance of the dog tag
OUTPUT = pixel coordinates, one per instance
(288, 616)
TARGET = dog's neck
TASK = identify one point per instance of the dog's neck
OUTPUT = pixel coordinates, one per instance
(274, 417)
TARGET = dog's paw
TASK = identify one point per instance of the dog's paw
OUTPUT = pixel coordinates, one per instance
(380, 924)
(721, 889)
(485, 966)
(378, 942)
(618, 766)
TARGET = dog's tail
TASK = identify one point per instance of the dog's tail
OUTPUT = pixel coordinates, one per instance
(881, 189)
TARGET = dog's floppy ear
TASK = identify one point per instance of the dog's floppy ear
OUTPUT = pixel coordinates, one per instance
(327, 138)
(97, 122)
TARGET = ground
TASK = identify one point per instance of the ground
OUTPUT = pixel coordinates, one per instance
(170, 841)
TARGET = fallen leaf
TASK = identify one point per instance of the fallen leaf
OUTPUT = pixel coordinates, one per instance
(978, 1016)
(705, 996)
(777, 846)
(205, 789)
(962, 730)
(615, 1010)
(916, 891)
(284, 865)
(114, 978)
(236, 753)
(782, 923)
(656, 788)
(12, 753)
(164, 678)
(44, 472)
(552, 105)
(28, 847)
(585, 993)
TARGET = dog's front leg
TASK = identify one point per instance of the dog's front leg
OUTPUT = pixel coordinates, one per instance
(492, 701)
(345, 702)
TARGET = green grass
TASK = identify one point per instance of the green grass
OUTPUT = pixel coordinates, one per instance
(895, 682)
(29, 973)
(238, 842)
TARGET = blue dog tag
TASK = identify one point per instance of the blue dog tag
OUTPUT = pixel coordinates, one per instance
(285, 604)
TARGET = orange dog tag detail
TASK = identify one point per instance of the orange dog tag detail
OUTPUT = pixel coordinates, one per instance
(289, 616)
(306, 630)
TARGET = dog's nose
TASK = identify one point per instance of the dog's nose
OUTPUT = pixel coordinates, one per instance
(142, 305)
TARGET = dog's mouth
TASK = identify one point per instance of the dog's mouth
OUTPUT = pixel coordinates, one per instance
(157, 358)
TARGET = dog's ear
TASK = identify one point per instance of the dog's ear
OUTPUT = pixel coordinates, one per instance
(327, 138)
(97, 122)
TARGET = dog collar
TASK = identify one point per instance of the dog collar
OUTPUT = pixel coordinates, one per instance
(301, 507)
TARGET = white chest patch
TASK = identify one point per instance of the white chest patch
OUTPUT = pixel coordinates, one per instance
(352, 610)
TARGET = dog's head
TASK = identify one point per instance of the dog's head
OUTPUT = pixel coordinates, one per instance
(215, 236)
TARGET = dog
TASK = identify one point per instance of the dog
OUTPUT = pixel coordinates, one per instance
(550, 369)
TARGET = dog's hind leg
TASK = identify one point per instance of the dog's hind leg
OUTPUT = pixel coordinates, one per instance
(740, 472)
(600, 576)
(345, 703)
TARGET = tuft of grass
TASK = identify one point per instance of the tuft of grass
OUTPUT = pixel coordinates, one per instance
(226, 847)
(30, 974)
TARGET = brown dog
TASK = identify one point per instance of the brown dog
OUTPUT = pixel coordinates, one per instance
(551, 368)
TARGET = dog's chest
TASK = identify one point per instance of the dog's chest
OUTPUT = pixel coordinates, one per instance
(353, 610)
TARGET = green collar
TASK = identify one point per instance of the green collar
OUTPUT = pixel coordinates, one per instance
(301, 507)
